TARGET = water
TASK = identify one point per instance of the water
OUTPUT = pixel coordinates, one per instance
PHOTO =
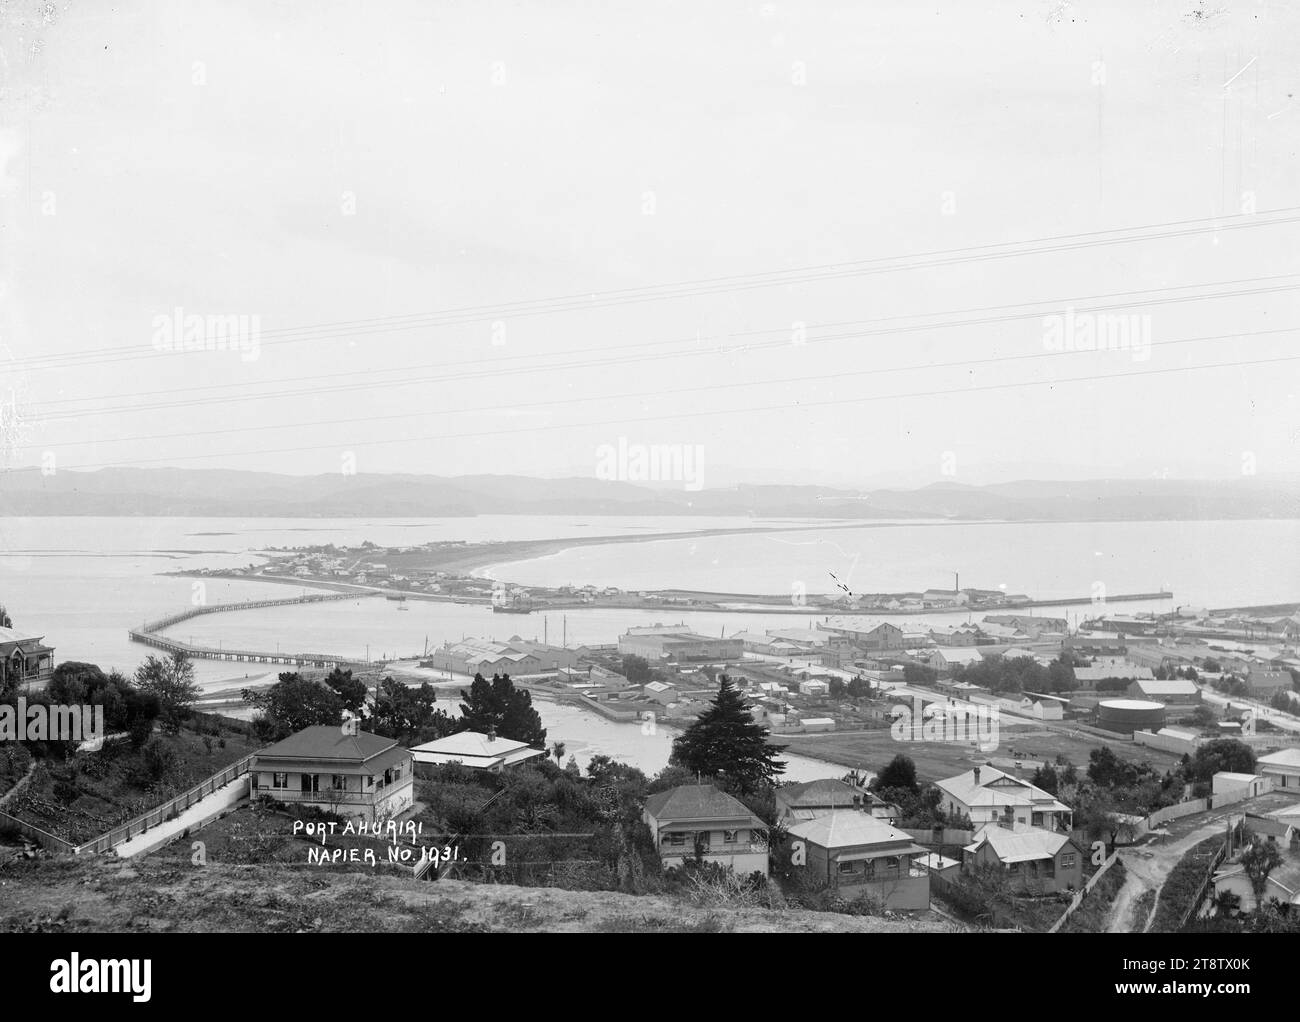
(1216, 564)
(83, 582)
(586, 734)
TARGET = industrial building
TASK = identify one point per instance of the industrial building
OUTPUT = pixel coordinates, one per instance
(515, 657)
(1128, 715)
(678, 643)
(1177, 694)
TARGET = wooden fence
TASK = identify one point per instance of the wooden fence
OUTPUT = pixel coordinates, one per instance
(1077, 900)
(48, 841)
(124, 832)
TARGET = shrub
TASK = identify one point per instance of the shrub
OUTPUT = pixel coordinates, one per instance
(160, 759)
(1182, 884)
(66, 791)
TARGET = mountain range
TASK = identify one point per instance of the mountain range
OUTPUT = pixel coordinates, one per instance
(225, 493)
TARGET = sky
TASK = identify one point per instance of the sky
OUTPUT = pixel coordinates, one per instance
(837, 243)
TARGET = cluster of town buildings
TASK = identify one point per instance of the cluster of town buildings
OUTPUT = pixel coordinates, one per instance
(838, 829)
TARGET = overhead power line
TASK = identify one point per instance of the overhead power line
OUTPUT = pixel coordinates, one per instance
(1124, 300)
(694, 413)
(703, 286)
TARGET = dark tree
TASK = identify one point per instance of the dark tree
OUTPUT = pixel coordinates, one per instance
(1045, 777)
(726, 742)
(172, 681)
(1221, 754)
(408, 714)
(497, 707)
(352, 691)
(292, 704)
(1108, 770)
(900, 773)
(636, 669)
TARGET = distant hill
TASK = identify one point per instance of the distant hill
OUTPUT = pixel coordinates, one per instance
(223, 493)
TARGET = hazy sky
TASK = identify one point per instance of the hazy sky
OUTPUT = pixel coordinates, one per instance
(322, 169)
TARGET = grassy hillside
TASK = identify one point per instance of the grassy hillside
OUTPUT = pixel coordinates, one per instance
(83, 797)
(106, 894)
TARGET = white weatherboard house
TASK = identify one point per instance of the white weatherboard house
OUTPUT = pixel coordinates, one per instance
(1283, 882)
(358, 776)
(1225, 782)
(1283, 767)
(476, 751)
(699, 816)
(987, 795)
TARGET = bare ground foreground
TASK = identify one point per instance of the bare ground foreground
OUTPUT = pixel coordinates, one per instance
(112, 895)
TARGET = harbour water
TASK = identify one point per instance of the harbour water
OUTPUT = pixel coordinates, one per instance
(83, 582)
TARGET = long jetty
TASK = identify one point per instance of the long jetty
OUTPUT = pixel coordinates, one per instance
(149, 634)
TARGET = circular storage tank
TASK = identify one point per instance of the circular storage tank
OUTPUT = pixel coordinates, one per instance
(1129, 715)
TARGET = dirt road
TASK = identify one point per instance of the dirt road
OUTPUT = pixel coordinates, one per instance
(1149, 865)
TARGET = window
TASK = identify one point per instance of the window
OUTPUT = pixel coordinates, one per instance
(370, 782)
(1067, 860)
(279, 780)
(846, 867)
(339, 782)
(677, 839)
(729, 837)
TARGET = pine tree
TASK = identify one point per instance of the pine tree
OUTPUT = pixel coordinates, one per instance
(728, 743)
(498, 707)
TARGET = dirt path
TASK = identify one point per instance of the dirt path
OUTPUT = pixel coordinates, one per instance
(1148, 867)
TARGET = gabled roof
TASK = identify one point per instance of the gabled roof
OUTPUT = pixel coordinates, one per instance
(1019, 845)
(856, 624)
(1286, 876)
(827, 791)
(849, 829)
(1170, 687)
(698, 802)
(958, 654)
(13, 635)
(1285, 757)
(327, 741)
(1007, 791)
(1101, 673)
(471, 743)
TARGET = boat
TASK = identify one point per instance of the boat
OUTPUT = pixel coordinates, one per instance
(514, 607)
(399, 597)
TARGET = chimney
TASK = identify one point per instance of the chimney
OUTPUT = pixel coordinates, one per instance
(492, 734)
(977, 775)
